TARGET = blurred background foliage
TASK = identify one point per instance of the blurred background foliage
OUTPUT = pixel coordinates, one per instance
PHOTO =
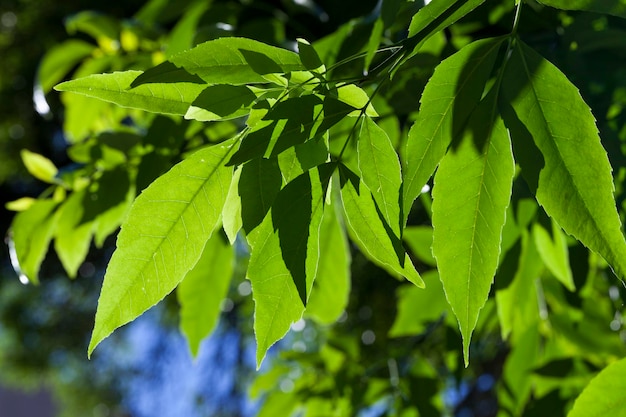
(395, 351)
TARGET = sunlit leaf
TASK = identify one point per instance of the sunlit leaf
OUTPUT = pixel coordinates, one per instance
(470, 196)
(59, 60)
(236, 61)
(165, 98)
(449, 98)
(550, 124)
(370, 232)
(380, 171)
(39, 166)
(204, 288)
(604, 396)
(284, 257)
(163, 237)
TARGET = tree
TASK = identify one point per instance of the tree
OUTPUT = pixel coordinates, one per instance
(305, 160)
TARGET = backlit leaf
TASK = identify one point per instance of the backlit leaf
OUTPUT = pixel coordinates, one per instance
(39, 166)
(59, 60)
(370, 232)
(284, 257)
(166, 98)
(331, 288)
(552, 248)
(236, 61)
(470, 196)
(380, 171)
(163, 237)
(221, 102)
(204, 288)
(604, 396)
(550, 124)
(449, 98)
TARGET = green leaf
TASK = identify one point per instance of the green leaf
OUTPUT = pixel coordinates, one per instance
(236, 61)
(614, 7)
(434, 17)
(331, 289)
(550, 124)
(39, 166)
(231, 214)
(283, 258)
(300, 158)
(374, 42)
(516, 296)
(31, 233)
(165, 98)
(449, 98)
(604, 396)
(204, 288)
(259, 183)
(552, 248)
(73, 232)
(183, 34)
(221, 102)
(356, 97)
(417, 307)
(163, 237)
(380, 171)
(309, 57)
(471, 193)
(370, 232)
(60, 60)
(419, 239)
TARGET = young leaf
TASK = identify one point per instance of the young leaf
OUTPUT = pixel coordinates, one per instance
(163, 237)
(449, 98)
(614, 7)
(331, 289)
(165, 98)
(470, 196)
(201, 292)
(380, 171)
(370, 232)
(550, 124)
(604, 396)
(283, 258)
(236, 61)
(231, 214)
(39, 166)
(221, 102)
(31, 233)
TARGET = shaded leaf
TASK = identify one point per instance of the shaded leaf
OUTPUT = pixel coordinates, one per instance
(380, 171)
(309, 57)
(259, 183)
(31, 232)
(369, 231)
(204, 288)
(236, 61)
(552, 247)
(165, 98)
(163, 237)
(59, 61)
(419, 239)
(331, 288)
(221, 102)
(550, 124)
(614, 7)
(449, 98)
(471, 193)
